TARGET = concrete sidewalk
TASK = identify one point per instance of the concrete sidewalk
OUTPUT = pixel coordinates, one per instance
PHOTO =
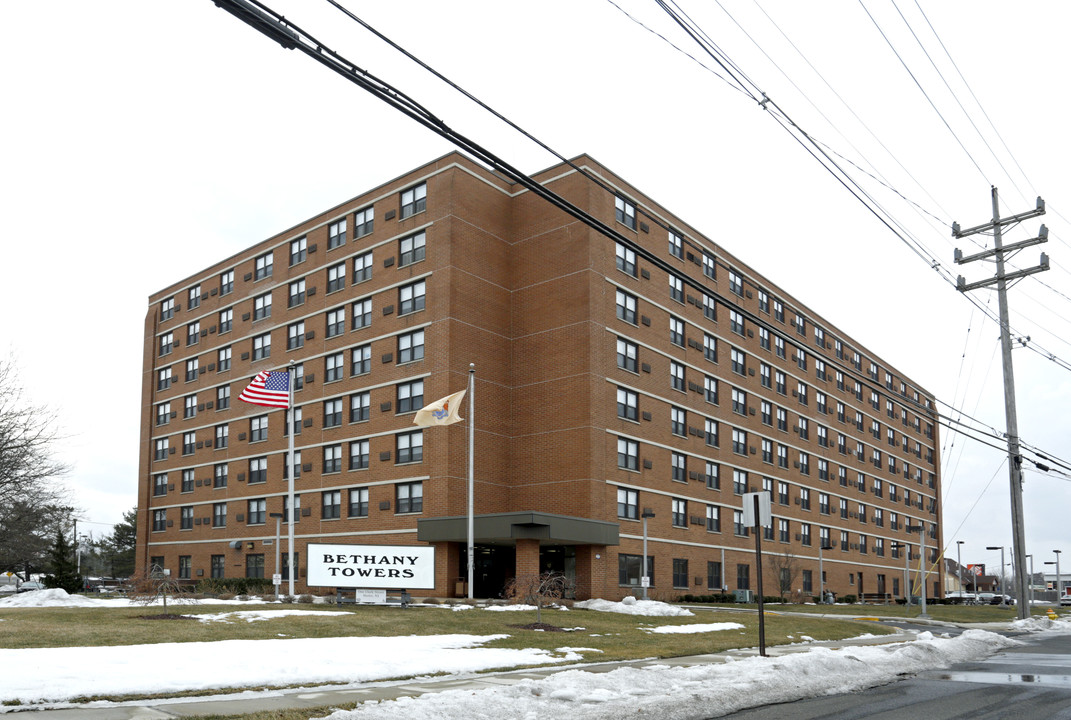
(334, 696)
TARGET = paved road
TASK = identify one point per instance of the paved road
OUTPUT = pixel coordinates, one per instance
(1028, 682)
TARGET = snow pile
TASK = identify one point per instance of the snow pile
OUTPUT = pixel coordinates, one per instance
(255, 615)
(43, 674)
(696, 691)
(1043, 624)
(696, 628)
(53, 597)
(632, 606)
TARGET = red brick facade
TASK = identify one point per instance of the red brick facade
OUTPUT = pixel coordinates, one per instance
(531, 297)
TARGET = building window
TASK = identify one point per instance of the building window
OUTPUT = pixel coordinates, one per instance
(159, 485)
(628, 454)
(257, 511)
(254, 565)
(626, 260)
(710, 266)
(332, 459)
(359, 455)
(295, 335)
(767, 451)
(676, 288)
(679, 510)
(626, 355)
(159, 520)
(336, 234)
(358, 503)
(678, 421)
(223, 359)
(411, 298)
(262, 346)
(710, 389)
(738, 361)
(189, 409)
(630, 568)
(414, 200)
(184, 564)
(409, 497)
(710, 308)
(299, 250)
(258, 428)
(362, 313)
(736, 283)
(710, 432)
(218, 565)
(189, 442)
(332, 505)
(675, 245)
(713, 475)
(258, 470)
(336, 277)
(410, 346)
(360, 406)
(805, 499)
(223, 397)
(782, 456)
(713, 519)
(334, 367)
(625, 212)
(743, 577)
(167, 309)
(361, 360)
(163, 379)
(739, 441)
(765, 376)
(163, 413)
(779, 346)
(263, 266)
(226, 319)
(680, 573)
(679, 464)
(736, 322)
(710, 348)
(286, 512)
(739, 481)
(410, 396)
(362, 268)
(219, 514)
(409, 447)
(627, 404)
(766, 412)
(739, 402)
(222, 436)
(676, 375)
(167, 343)
(626, 308)
(262, 306)
(193, 333)
(676, 331)
(628, 504)
(782, 530)
(219, 475)
(363, 222)
(336, 322)
(332, 413)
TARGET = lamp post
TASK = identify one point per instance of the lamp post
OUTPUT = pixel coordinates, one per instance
(1059, 590)
(1003, 595)
(646, 579)
(1030, 556)
(276, 578)
(821, 573)
(959, 568)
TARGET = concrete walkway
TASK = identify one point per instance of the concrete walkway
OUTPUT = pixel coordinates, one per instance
(334, 696)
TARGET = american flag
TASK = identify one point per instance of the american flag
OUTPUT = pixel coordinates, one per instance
(268, 388)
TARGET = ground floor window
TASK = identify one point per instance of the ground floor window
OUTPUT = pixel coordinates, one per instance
(743, 577)
(630, 569)
(713, 575)
(184, 567)
(218, 566)
(254, 565)
(808, 582)
(680, 573)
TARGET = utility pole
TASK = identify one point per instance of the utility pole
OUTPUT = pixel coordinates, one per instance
(1015, 471)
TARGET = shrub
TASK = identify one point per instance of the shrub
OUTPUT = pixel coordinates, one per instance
(305, 599)
(850, 599)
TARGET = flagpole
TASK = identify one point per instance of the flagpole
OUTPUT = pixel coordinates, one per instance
(290, 472)
(472, 434)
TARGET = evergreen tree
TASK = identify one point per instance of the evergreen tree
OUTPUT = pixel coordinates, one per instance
(64, 566)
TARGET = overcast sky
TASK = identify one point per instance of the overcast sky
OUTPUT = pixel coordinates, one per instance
(142, 141)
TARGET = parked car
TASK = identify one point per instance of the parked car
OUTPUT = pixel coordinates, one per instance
(996, 598)
(961, 598)
(987, 598)
(1065, 599)
(31, 585)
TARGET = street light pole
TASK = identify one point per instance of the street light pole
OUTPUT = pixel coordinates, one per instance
(959, 568)
(1059, 590)
(1003, 595)
(921, 528)
(1030, 584)
(646, 579)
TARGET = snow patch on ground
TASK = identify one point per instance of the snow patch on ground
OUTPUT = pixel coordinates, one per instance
(632, 606)
(697, 628)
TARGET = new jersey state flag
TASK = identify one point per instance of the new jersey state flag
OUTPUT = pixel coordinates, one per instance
(441, 412)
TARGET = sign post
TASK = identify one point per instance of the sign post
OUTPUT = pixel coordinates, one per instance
(757, 515)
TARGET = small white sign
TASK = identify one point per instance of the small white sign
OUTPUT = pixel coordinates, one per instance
(765, 518)
(276, 579)
(645, 581)
(370, 595)
(404, 567)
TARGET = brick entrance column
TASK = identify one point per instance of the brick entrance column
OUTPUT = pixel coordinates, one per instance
(527, 557)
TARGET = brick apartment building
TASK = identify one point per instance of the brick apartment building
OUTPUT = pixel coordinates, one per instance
(608, 383)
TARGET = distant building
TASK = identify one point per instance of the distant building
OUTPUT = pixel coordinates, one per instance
(608, 383)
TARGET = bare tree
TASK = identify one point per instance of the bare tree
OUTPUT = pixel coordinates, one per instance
(32, 507)
(787, 568)
(145, 588)
(538, 590)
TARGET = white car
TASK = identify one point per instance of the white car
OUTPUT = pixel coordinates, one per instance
(31, 585)
(1065, 599)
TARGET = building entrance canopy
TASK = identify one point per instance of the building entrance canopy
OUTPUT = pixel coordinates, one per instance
(507, 528)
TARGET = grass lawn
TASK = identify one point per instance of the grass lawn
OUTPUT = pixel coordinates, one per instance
(944, 613)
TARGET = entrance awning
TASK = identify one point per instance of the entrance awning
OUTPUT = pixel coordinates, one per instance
(506, 528)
